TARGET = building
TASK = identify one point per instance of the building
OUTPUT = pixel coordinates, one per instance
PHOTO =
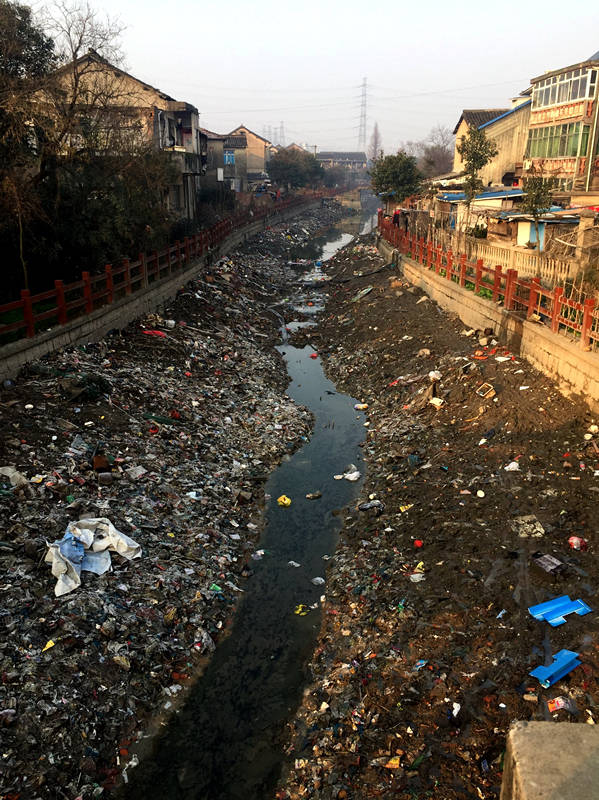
(452, 211)
(563, 137)
(213, 157)
(258, 153)
(235, 152)
(509, 131)
(471, 118)
(352, 161)
(297, 147)
(124, 112)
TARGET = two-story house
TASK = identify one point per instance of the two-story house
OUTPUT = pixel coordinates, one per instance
(122, 112)
(258, 153)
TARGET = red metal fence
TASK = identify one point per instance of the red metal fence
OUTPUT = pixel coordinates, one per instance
(524, 295)
(66, 301)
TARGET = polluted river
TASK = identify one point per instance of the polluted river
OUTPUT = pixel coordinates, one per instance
(225, 740)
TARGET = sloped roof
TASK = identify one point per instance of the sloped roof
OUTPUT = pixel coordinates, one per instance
(93, 56)
(295, 146)
(245, 128)
(594, 57)
(212, 135)
(475, 117)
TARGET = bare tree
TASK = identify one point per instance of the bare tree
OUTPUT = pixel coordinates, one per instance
(437, 152)
(375, 148)
(433, 154)
(411, 148)
(441, 136)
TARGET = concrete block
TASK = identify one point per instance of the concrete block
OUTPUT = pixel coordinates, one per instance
(551, 761)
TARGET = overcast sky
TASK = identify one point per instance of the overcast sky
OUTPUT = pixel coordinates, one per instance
(303, 62)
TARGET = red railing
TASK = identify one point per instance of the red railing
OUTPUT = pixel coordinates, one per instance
(524, 295)
(66, 301)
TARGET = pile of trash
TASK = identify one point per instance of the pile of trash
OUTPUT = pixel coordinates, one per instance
(457, 599)
(132, 476)
(280, 238)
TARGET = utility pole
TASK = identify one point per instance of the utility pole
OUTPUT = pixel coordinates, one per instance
(363, 116)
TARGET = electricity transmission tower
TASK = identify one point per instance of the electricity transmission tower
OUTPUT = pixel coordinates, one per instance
(282, 135)
(363, 107)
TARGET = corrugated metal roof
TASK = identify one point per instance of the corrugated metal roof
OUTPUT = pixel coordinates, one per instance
(457, 197)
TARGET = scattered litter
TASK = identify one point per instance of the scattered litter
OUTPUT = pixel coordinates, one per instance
(577, 543)
(563, 663)
(362, 294)
(377, 505)
(559, 703)
(527, 526)
(86, 545)
(513, 466)
(555, 611)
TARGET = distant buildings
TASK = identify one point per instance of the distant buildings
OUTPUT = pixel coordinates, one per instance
(351, 161)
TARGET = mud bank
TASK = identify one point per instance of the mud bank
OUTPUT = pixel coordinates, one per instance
(478, 470)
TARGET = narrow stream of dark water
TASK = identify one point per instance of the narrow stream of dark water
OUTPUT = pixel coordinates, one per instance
(225, 743)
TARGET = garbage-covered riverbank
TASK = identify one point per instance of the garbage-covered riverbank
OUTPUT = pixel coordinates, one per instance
(166, 431)
(479, 503)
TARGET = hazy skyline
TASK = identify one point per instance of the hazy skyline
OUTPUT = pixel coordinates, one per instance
(303, 64)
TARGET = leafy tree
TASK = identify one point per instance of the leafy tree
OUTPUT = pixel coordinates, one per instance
(397, 174)
(476, 150)
(537, 198)
(295, 168)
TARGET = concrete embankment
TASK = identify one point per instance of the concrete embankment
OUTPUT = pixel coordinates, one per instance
(574, 370)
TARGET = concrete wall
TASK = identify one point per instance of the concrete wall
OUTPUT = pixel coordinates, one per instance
(574, 370)
(458, 164)
(91, 327)
(551, 761)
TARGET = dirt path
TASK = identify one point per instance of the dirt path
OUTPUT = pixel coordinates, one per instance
(427, 641)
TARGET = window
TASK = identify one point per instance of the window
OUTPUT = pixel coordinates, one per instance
(558, 141)
(575, 85)
(229, 156)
